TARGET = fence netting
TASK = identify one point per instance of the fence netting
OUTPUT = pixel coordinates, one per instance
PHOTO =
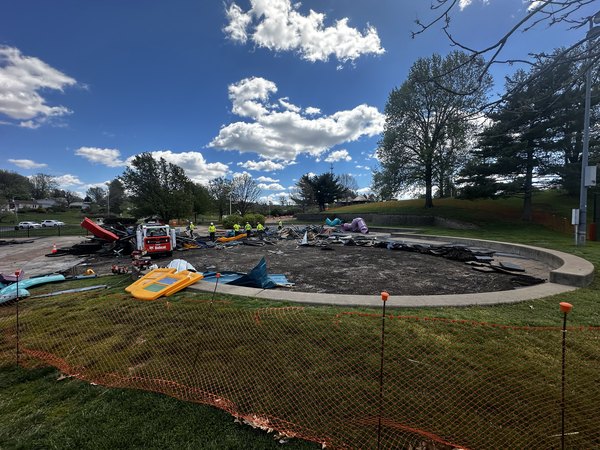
(315, 373)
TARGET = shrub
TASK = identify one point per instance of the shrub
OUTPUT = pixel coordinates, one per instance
(254, 219)
(231, 219)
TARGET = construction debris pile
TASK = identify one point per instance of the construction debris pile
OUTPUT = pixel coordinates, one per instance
(146, 241)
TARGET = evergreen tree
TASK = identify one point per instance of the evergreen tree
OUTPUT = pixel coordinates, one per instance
(157, 188)
(319, 189)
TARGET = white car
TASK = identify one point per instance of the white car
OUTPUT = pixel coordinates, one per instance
(52, 223)
(25, 225)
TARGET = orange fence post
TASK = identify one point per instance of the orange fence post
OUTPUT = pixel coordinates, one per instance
(384, 298)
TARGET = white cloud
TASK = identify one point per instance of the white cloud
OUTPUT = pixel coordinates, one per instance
(283, 135)
(284, 102)
(533, 4)
(21, 79)
(109, 157)
(262, 166)
(373, 155)
(263, 179)
(338, 155)
(27, 163)
(64, 181)
(238, 23)
(365, 190)
(248, 96)
(274, 198)
(312, 111)
(277, 25)
(271, 187)
(462, 4)
(193, 163)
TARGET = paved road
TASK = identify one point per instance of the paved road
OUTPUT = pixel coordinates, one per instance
(30, 256)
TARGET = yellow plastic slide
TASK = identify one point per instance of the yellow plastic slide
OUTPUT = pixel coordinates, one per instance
(152, 275)
(153, 285)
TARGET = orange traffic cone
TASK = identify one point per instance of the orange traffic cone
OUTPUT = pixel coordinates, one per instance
(53, 248)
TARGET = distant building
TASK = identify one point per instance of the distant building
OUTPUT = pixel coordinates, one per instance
(51, 202)
(84, 206)
(24, 204)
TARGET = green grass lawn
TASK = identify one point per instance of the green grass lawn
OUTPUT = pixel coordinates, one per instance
(476, 385)
(481, 212)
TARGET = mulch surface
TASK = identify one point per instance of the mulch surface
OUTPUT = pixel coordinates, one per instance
(342, 270)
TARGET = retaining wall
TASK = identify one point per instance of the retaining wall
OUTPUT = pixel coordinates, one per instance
(390, 219)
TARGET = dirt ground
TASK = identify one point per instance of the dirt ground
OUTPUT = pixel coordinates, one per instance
(347, 269)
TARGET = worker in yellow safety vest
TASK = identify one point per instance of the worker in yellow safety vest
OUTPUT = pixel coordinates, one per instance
(211, 231)
(191, 227)
(248, 229)
(280, 225)
(236, 229)
(260, 229)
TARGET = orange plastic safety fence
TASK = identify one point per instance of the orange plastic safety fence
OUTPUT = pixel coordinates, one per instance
(314, 374)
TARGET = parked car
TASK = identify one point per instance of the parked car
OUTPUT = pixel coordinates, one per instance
(25, 225)
(52, 223)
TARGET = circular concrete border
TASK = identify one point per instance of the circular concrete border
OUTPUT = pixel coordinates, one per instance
(568, 272)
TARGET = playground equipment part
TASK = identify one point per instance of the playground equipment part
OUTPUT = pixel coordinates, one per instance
(151, 286)
(98, 231)
(149, 277)
(357, 224)
(232, 238)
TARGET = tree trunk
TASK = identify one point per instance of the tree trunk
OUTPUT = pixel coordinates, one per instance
(429, 185)
(528, 187)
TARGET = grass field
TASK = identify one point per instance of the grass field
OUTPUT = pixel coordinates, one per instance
(107, 332)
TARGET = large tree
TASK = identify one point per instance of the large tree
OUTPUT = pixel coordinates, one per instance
(71, 197)
(42, 185)
(319, 189)
(97, 195)
(13, 185)
(220, 193)
(511, 150)
(349, 185)
(559, 95)
(544, 15)
(157, 187)
(303, 193)
(201, 200)
(427, 121)
(116, 196)
(244, 192)
(535, 138)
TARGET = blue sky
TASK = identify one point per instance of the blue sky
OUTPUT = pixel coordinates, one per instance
(268, 87)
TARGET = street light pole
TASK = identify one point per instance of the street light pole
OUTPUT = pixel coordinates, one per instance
(582, 226)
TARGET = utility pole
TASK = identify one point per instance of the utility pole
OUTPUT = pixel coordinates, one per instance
(582, 225)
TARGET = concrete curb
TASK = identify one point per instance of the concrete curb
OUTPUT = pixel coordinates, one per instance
(568, 273)
(567, 269)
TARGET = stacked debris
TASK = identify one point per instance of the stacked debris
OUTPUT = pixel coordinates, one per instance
(479, 259)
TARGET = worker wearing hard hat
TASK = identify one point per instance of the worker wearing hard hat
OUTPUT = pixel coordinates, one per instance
(211, 231)
(248, 229)
(260, 230)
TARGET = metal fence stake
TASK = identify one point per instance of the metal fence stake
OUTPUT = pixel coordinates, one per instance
(565, 308)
